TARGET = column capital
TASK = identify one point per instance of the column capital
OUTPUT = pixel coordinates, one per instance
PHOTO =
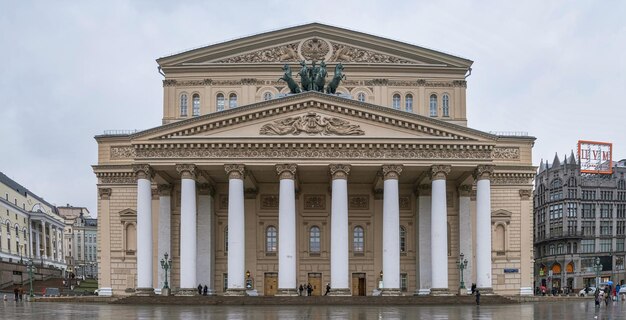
(206, 189)
(525, 194)
(286, 171)
(465, 190)
(483, 171)
(235, 171)
(143, 171)
(439, 171)
(104, 193)
(392, 171)
(164, 190)
(155, 193)
(423, 190)
(339, 171)
(187, 171)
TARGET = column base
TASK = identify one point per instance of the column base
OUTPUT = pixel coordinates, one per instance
(526, 291)
(105, 292)
(144, 292)
(422, 292)
(340, 292)
(391, 292)
(186, 292)
(287, 292)
(486, 291)
(440, 292)
(230, 292)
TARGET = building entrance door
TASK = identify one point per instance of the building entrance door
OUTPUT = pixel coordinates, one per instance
(315, 279)
(358, 284)
(270, 283)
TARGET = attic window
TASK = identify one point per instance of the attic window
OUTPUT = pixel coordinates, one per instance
(232, 101)
(446, 105)
(196, 105)
(433, 105)
(395, 102)
(183, 105)
(220, 102)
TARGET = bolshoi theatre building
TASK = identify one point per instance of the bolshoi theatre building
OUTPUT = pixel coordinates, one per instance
(314, 155)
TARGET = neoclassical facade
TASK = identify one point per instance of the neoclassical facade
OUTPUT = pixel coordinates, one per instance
(376, 189)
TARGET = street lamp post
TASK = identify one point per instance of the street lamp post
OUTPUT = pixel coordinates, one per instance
(462, 264)
(30, 275)
(166, 264)
(597, 267)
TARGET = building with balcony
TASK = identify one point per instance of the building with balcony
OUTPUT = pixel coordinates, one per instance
(80, 235)
(578, 218)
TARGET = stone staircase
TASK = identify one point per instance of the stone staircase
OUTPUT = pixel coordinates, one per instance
(315, 300)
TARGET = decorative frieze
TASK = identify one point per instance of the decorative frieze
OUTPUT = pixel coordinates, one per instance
(392, 171)
(122, 152)
(359, 202)
(269, 201)
(483, 171)
(298, 151)
(314, 202)
(512, 178)
(234, 171)
(439, 171)
(187, 171)
(117, 177)
(525, 194)
(286, 171)
(505, 153)
(311, 124)
(283, 53)
(339, 171)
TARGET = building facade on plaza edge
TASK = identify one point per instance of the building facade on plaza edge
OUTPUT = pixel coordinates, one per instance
(80, 235)
(30, 227)
(377, 188)
(579, 217)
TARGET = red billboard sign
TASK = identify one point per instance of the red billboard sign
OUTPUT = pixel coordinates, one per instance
(595, 157)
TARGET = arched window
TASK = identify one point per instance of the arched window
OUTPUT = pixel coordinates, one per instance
(445, 105)
(17, 231)
(314, 240)
(232, 101)
(433, 105)
(183, 105)
(8, 228)
(402, 239)
(358, 240)
(220, 102)
(267, 96)
(395, 102)
(556, 268)
(408, 103)
(360, 96)
(570, 267)
(196, 105)
(271, 239)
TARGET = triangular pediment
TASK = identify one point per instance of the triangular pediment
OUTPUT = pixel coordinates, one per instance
(313, 42)
(312, 116)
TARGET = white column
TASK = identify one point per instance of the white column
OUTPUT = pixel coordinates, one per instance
(38, 243)
(45, 240)
(204, 265)
(424, 234)
(30, 240)
(391, 230)
(465, 232)
(236, 230)
(164, 232)
(287, 230)
(483, 227)
(339, 264)
(144, 229)
(439, 229)
(188, 212)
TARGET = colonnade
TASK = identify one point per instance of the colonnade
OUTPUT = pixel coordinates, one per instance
(433, 260)
(45, 244)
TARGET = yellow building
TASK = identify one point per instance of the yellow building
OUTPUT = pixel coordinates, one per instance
(377, 188)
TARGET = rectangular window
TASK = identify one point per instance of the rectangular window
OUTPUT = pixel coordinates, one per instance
(606, 211)
(225, 281)
(587, 245)
(572, 210)
(571, 227)
(572, 193)
(619, 244)
(621, 211)
(589, 211)
(589, 228)
(606, 228)
(403, 282)
(605, 245)
(621, 228)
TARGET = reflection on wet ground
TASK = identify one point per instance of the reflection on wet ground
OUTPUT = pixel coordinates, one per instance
(580, 309)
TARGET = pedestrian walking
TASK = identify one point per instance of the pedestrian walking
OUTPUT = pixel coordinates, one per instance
(473, 288)
(597, 297)
(477, 297)
(300, 289)
(199, 289)
(205, 291)
(309, 289)
(327, 289)
(16, 292)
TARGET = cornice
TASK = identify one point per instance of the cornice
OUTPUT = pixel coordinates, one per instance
(320, 101)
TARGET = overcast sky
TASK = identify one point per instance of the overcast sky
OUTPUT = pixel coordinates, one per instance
(72, 69)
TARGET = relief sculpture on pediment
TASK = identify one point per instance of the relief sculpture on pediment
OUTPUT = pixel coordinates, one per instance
(282, 53)
(311, 124)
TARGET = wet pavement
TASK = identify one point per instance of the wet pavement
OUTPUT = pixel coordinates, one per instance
(580, 309)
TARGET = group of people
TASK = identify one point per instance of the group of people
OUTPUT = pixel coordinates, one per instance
(607, 294)
(203, 290)
(19, 293)
(307, 289)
